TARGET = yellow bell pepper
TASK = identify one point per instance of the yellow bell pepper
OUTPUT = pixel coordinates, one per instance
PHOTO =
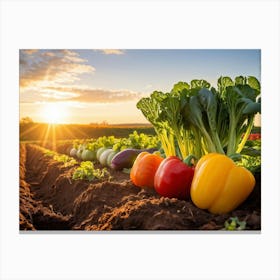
(219, 185)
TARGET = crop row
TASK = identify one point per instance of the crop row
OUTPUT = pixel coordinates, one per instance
(173, 178)
(109, 152)
(104, 149)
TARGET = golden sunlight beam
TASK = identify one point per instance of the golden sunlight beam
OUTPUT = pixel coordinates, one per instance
(54, 113)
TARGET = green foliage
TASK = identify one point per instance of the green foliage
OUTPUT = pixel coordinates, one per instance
(49, 153)
(152, 109)
(76, 144)
(106, 141)
(251, 156)
(134, 140)
(252, 163)
(142, 141)
(86, 171)
(233, 223)
(196, 119)
(122, 144)
(66, 160)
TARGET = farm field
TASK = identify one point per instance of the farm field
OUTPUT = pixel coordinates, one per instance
(51, 200)
(43, 132)
(138, 156)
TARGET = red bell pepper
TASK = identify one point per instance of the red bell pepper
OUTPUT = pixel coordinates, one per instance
(174, 177)
(254, 136)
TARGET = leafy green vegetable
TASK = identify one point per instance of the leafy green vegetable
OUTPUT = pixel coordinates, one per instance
(49, 153)
(165, 112)
(237, 99)
(86, 171)
(194, 119)
(152, 110)
(233, 223)
(134, 140)
(252, 163)
(68, 161)
(251, 156)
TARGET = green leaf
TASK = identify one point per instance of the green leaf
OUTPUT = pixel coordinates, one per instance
(200, 84)
(249, 151)
(86, 171)
(235, 157)
(252, 108)
(240, 80)
(179, 87)
(223, 83)
(233, 223)
(254, 83)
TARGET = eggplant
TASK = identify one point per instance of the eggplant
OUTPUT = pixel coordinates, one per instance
(126, 158)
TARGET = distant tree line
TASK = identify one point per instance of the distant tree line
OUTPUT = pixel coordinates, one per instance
(26, 120)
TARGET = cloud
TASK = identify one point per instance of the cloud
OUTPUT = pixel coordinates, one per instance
(29, 51)
(149, 86)
(51, 67)
(89, 95)
(58, 95)
(112, 51)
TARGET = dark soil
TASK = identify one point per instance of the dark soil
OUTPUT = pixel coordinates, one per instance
(51, 200)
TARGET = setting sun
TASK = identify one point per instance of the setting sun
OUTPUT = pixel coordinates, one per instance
(54, 113)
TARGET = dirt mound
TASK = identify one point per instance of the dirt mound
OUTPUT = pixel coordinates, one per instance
(51, 200)
(33, 214)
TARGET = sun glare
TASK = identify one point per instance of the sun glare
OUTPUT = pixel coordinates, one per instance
(54, 113)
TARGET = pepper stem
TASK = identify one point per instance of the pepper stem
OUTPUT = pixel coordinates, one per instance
(188, 160)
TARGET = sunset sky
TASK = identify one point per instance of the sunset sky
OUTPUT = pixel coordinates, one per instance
(91, 86)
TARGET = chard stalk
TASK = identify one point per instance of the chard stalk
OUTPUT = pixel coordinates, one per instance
(209, 143)
(246, 135)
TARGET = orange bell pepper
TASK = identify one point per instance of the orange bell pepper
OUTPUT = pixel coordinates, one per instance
(219, 185)
(144, 168)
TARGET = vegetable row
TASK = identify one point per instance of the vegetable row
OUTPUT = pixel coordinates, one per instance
(86, 169)
(113, 152)
(214, 183)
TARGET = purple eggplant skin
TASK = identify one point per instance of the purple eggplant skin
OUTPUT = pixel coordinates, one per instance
(126, 158)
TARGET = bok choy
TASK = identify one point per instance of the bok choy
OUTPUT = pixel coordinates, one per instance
(198, 119)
